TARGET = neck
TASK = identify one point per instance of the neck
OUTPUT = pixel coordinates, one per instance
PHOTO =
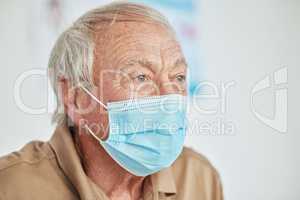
(116, 182)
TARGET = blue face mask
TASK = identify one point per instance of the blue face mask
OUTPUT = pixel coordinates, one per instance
(145, 134)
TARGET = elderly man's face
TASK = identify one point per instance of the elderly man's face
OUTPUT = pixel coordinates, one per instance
(134, 59)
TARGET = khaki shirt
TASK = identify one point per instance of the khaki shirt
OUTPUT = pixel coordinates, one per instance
(52, 171)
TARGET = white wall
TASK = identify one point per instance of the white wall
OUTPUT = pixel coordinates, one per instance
(242, 41)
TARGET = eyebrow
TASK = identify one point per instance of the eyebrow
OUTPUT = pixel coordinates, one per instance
(180, 62)
(152, 66)
(147, 64)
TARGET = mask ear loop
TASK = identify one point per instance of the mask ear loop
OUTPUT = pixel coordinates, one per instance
(95, 98)
(92, 133)
(102, 104)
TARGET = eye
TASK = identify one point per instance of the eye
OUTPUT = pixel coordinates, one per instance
(141, 78)
(180, 78)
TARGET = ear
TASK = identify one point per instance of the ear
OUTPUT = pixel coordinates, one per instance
(68, 96)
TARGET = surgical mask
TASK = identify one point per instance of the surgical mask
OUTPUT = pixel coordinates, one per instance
(145, 134)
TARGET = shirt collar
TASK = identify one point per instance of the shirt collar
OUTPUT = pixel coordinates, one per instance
(68, 159)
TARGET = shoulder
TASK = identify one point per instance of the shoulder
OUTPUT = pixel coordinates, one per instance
(195, 161)
(31, 154)
(20, 169)
(194, 172)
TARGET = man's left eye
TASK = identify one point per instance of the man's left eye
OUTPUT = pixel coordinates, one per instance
(180, 78)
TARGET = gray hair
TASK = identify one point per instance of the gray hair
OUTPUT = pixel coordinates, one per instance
(72, 55)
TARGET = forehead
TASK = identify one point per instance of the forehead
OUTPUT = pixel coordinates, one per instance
(123, 40)
(133, 29)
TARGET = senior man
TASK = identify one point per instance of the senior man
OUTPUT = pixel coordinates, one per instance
(120, 80)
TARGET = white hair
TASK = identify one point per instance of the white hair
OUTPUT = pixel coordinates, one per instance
(72, 55)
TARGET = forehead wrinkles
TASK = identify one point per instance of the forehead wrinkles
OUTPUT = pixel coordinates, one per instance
(117, 44)
(132, 42)
(129, 30)
(112, 49)
(170, 53)
(123, 40)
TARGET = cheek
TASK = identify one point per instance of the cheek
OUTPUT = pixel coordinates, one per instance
(98, 123)
(148, 88)
(117, 88)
